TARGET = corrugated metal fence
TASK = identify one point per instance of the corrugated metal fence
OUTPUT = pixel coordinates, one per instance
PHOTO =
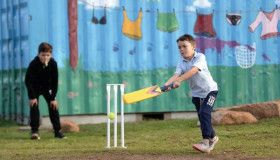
(14, 50)
(134, 42)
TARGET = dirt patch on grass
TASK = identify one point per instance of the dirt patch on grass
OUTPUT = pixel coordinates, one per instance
(129, 156)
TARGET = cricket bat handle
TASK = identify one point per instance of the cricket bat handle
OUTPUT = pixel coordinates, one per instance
(164, 88)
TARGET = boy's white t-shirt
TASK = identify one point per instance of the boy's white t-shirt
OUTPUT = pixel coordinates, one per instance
(202, 83)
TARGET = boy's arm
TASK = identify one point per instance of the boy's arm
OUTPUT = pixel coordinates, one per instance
(171, 79)
(54, 82)
(175, 76)
(185, 76)
(29, 80)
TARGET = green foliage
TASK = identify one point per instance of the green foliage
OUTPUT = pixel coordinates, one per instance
(163, 138)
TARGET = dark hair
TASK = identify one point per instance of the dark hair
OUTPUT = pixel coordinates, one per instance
(187, 37)
(45, 47)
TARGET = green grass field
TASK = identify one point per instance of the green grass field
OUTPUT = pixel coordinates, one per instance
(170, 139)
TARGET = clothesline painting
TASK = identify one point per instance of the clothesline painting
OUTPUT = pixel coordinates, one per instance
(269, 21)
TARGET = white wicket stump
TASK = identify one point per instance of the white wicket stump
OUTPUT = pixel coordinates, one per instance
(115, 88)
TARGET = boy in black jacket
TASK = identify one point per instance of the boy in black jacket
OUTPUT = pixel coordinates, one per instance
(42, 79)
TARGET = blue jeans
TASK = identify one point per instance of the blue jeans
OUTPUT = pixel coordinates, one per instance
(204, 107)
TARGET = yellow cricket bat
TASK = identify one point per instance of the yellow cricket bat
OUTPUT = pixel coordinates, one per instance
(145, 93)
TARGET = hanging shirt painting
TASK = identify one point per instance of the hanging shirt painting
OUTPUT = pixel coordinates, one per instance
(233, 18)
(167, 22)
(269, 23)
(204, 25)
(103, 20)
(132, 29)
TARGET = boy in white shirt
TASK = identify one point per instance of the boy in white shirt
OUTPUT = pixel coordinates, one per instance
(193, 67)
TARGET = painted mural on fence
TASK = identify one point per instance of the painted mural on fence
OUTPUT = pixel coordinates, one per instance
(134, 42)
(145, 29)
(148, 29)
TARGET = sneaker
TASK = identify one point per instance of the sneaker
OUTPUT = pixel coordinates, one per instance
(213, 142)
(59, 135)
(35, 136)
(203, 146)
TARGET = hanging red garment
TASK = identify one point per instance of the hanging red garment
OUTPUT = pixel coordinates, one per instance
(73, 32)
(204, 26)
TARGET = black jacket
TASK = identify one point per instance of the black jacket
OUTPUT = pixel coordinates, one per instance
(41, 79)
